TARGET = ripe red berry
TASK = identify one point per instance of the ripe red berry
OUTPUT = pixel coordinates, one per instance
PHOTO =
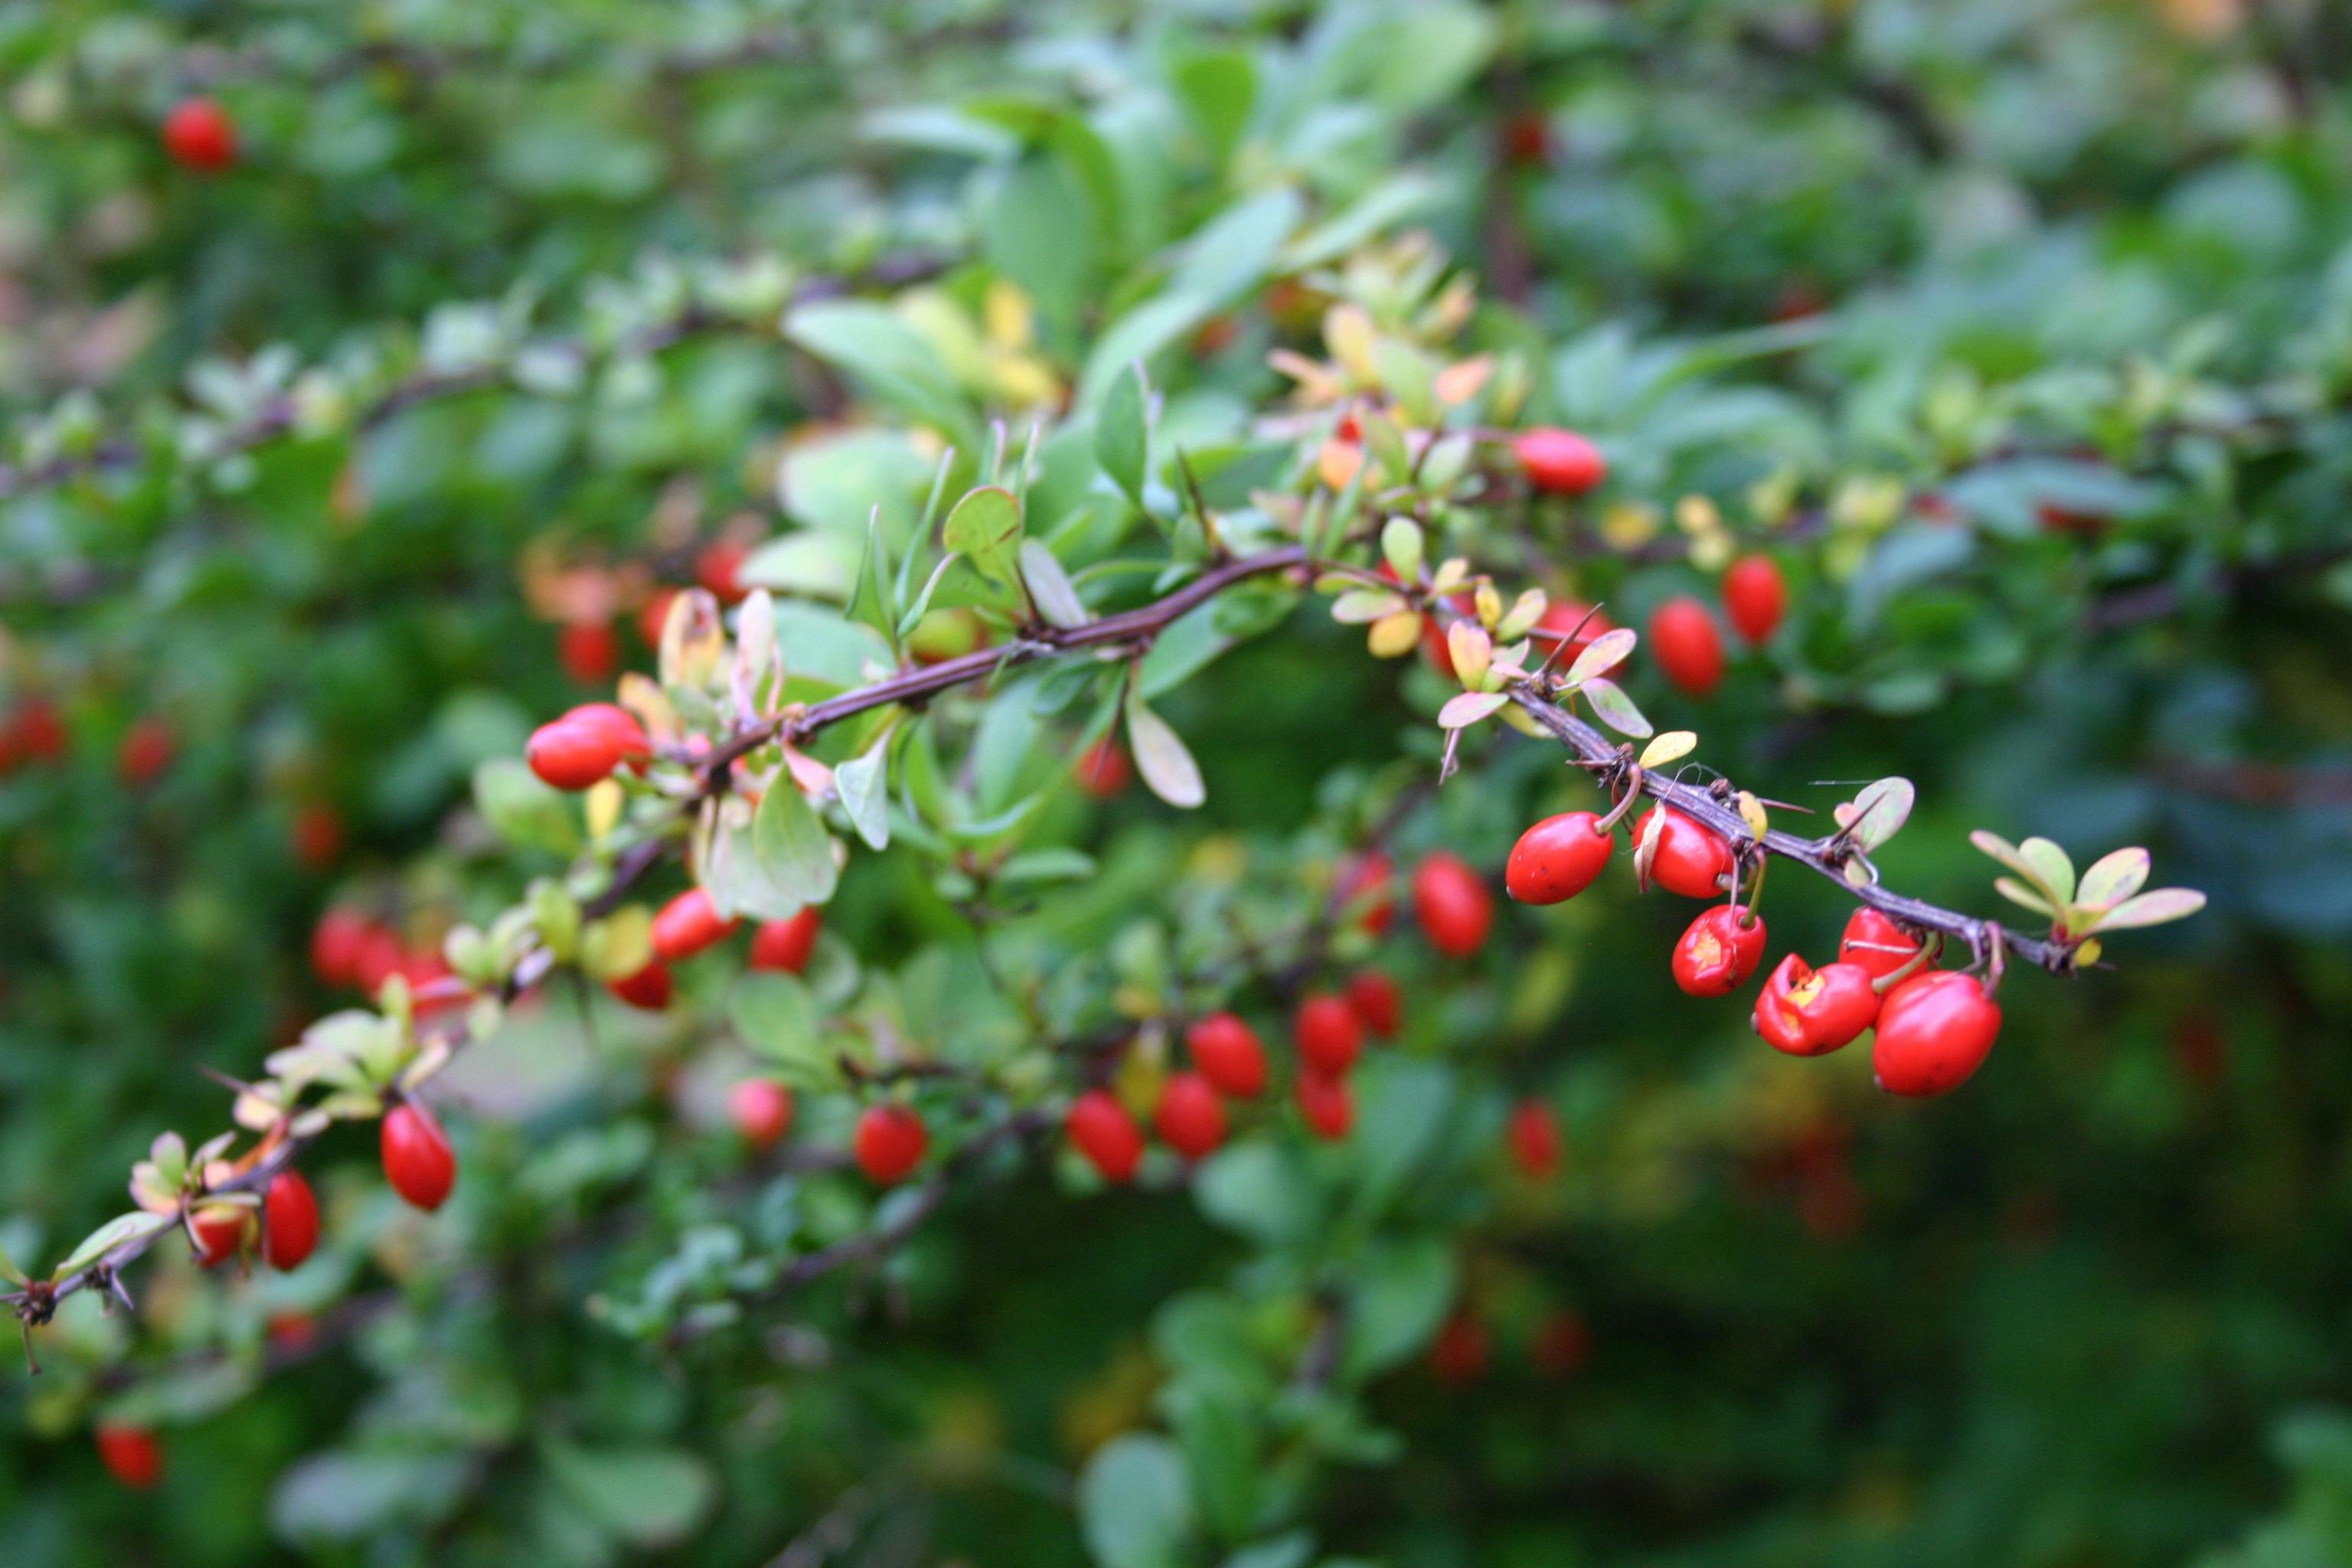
(290, 1220)
(335, 945)
(417, 1158)
(654, 615)
(1191, 1117)
(762, 1109)
(1574, 621)
(1561, 1344)
(590, 651)
(889, 1144)
(1526, 139)
(1102, 769)
(1687, 644)
(1227, 1052)
(1719, 950)
(199, 135)
(1460, 1352)
(40, 729)
(1102, 1131)
(1809, 1012)
(219, 1232)
(1755, 598)
(1875, 944)
(131, 1453)
(1535, 1138)
(381, 956)
(1363, 882)
(1326, 1034)
(1561, 462)
(1558, 858)
(786, 944)
(718, 568)
(688, 923)
(1934, 1032)
(584, 746)
(1690, 860)
(1325, 1103)
(1376, 1001)
(649, 988)
(316, 836)
(1453, 907)
(147, 749)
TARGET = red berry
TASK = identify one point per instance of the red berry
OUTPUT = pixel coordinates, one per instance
(1933, 1031)
(199, 135)
(1325, 1103)
(1690, 860)
(316, 836)
(1227, 1053)
(147, 749)
(290, 1220)
(1809, 1012)
(1326, 1034)
(1102, 1131)
(381, 954)
(1454, 906)
(335, 946)
(688, 923)
(889, 1144)
(1535, 1138)
(1755, 598)
(590, 651)
(1191, 1117)
(649, 988)
(1575, 622)
(762, 1109)
(1561, 1344)
(1460, 1351)
(1685, 642)
(654, 615)
(1875, 944)
(718, 568)
(1719, 951)
(1363, 882)
(40, 729)
(570, 754)
(417, 1158)
(1102, 770)
(1561, 462)
(291, 1333)
(132, 1453)
(1558, 858)
(1376, 1001)
(786, 944)
(1526, 139)
(220, 1232)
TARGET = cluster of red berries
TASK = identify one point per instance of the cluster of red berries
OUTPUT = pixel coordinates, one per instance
(1462, 1350)
(690, 922)
(287, 1226)
(347, 948)
(1683, 633)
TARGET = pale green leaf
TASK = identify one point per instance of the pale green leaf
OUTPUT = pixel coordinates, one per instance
(1167, 767)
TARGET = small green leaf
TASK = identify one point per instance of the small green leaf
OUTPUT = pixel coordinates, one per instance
(2112, 878)
(1123, 432)
(1134, 1504)
(2051, 868)
(791, 846)
(649, 1498)
(523, 810)
(778, 1019)
(110, 1235)
(2016, 893)
(1615, 708)
(1462, 711)
(1050, 588)
(864, 783)
(985, 528)
(2152, 908)
(1603, 653)
(1669, 747)
(1361, 606)
(1880, 810)
(1160, 757)
(1401, 548)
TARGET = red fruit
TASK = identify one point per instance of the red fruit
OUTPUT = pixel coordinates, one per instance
(1875, 944)
(1326, 1034)
(1809, 1012)
(762, 1109)
(317, 835)
(1575, 621)
(132, 1453)
(1690, 860)
(417, 1158)
(336, 943)
(1933, 1031)
(649, 988)
(1534, 1140)
(1227, 1053)
(1102, 769)
(1526, 139)
(889, 1144)
(786, 944)
(291, 1333)
(1377, 1002)
(590, 651)
(1558, 858)
(1101, 1130)
(1327, 1104)
(2055, 519)
(40, 731)
(379, 957)
(1191, 1117)
(719, 566)
(1364, 879)
(1755, 598)
(199, 135)
(688, 923)
(1454, 906)
(290, 1220)
(147, 749)
(1684, 640)
(1561, 1344)
(654, 615)
(1460, 1351)
(570, 754)
(1719, 950)
(220, 1232)
(1560, 462)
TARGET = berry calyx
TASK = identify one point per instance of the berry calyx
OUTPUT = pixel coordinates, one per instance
(1809, 1012)
(1102, 769)
(1327, 1032)
(1453, 907)
(1377, 1002)
(1934, 1032)
(1325, 1103)
(762, 1109)
(1690, 860)
(1190, 1117)
(1534, 1136)
(785, 946)
(290, 1220)
(417, 1158)
(1755, 598)
(132, 1454)
(1227, 1052)
(199, 135)
(1719, 950)
(1558, 858)
(1688, 647)
(220, 1230)
(688, 923)
(1875, 944)
(1363, 883)
(1560, 462)
(1101, 1130)
(889, 1144)
(649, 988)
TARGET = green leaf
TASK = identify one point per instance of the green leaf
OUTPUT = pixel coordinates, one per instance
(2017, 892)
(1160, 757)
(1055, 863)
(523, 810)
(2051, 868)
(650, 1498)
(779, 1020)
(793, 851)
(8, 1270)
(1880, 810)
(1291, 1550)
(1134, 1505)
(985, 529)
(869, 600)
(1401, 1294)
(1460, 712)
(2152, 908)
(112, 1234)
(1050, 588)
(864, 786)
(2113, 878)
(1614, 708)
(338, 1495)
(1218, 87)
(1122, 432)
(889, 357)
(1601, 655)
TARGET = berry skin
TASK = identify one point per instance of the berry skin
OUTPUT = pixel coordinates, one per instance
(1453, 907)
(131, 1453)
(1377, 1002)
(290, 1220)
(1573, 620)
(589, 651)
(688, 923)
(649, 988)
(1102, 769)
(417, 1158)
(584, 746)
(1719, 950)
(1364, 880)
(40, 731)
(785, 946)
(1191, 1117)
(762, 1109)
(1535, 1138)
(1687, 644)
(1326, 1034)
(1560, 462)
(147, 750)
(1227, 1052)
(1691, 860)
(317, 836)
(335, 945)
(1810, 1012)
(1325, 1104)
(889, 1144)
(1558, 858)
(199, 135)
(381, 956)
(1934, 1032)
(1875, 944)
(220, 1232)
(1755, 598)
(1460, 1351)
(1101, 1130)
(718, 567)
